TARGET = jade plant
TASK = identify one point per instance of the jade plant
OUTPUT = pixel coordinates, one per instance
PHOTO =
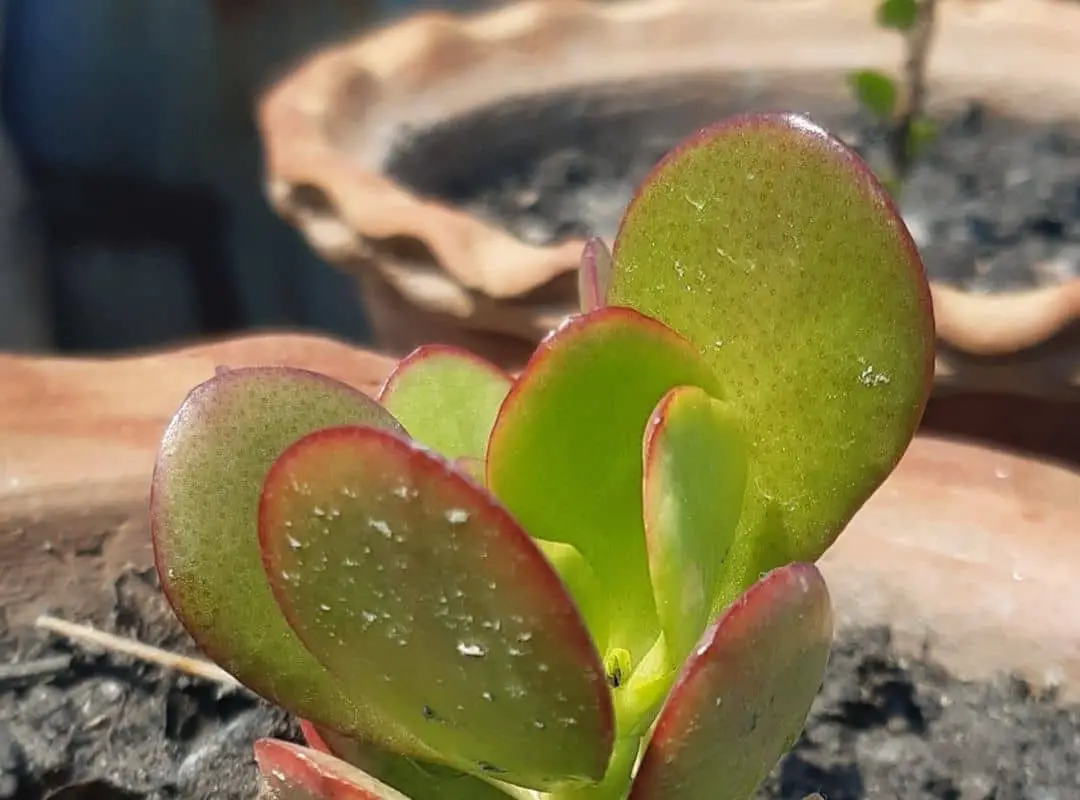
(595, 579)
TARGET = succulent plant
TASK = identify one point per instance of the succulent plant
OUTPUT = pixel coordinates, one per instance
(595, 579)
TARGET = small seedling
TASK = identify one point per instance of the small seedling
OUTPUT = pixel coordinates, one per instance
(900, 110)
(596, 579)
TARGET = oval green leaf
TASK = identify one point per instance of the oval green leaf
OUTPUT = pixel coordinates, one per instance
(768, 243)
(203, 516)
(447, 398)
(565, 453)
(695, 461)
(410, 583)
(290, 772)
(744, 695)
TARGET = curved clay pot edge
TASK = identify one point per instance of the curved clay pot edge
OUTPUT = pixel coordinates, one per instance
(78, 437)
(378, 70)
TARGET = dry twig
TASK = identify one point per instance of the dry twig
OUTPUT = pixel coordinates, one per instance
(92, 637)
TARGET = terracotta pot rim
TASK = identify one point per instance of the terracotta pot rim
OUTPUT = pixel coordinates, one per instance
(436, 64)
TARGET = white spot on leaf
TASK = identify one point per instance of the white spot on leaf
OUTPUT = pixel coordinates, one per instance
(471, 649)
(457, 516)
(381, 526)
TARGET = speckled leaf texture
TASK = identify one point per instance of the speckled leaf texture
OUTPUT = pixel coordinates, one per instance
(421, 593)
(203, 513)
(768, 244)
(743, 696)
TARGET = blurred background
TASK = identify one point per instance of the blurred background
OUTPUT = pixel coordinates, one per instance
(137, 210)
(132, 209)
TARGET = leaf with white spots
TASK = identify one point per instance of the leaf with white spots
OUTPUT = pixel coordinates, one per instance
(744, 694)
(203, 506)
(771, 246)
(415, 587)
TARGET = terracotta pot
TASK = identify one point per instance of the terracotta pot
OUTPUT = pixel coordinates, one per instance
(430, 270)
(77, 445)
(970, 549)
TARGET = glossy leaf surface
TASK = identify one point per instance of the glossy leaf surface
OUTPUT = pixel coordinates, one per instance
(695, 477)
(743, 696)
(447, 399)
(420, 781)
(594, 274)
(412, 584)
(768, 243)
(290, 772)
(203, 509)
(565, 453)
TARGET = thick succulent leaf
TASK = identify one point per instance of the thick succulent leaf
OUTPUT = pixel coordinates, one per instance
(594, 274)
(290, 772)
(770, 245)
(447, 398)
(411, 583)
(565, 453)
(743, 696)
(695, 459)
(420, 781)
(203, 513)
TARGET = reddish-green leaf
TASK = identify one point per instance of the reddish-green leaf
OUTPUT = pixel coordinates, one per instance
(695, 478)
(203, 511)
(447, 398)
(412, 584)
(420, 781)
(743, 696)
(565, 453)
(290, 772)
(769, 244)
(594, 273)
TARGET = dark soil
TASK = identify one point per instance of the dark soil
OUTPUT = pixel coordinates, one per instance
(888, 728)
(93, 726)
(79, 725)
(994, 204)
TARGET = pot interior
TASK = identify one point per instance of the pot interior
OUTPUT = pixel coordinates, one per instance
(994, 203)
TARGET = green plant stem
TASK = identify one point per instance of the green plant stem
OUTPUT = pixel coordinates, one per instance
(918, 40)
(616, 783)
